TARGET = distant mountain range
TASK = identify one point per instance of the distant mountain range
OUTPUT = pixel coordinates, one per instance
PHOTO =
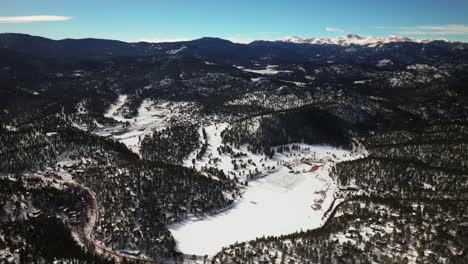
(351, 39)
(28, 43)
(289, 50)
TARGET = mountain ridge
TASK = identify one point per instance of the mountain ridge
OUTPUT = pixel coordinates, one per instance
(339, 40)
(220, 51)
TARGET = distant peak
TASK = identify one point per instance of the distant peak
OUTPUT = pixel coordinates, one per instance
(211, 40)
(352, 36)
(293, 39)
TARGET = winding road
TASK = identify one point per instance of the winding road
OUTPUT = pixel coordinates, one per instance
(86, 237)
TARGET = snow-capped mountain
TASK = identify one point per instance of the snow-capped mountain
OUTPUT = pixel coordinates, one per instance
(351, 39)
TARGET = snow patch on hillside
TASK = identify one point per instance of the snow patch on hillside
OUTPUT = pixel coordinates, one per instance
(113, 111)
(175, 51)
(300, 84)
(152, 116)
(256, 79)
(269, 70)
(384, 62)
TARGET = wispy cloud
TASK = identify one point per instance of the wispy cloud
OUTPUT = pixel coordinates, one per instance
(330, 29)
(436, 30)
(29, 19)
(431, 30)
(158, 40)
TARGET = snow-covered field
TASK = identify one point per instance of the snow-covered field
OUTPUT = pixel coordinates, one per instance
(288, 195)
(151, 116)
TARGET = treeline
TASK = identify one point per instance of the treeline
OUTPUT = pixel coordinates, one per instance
(428, 163)
(37, 220)
(368, 231)
(306, 125)
(45, 240)
(138, 201)
(27, 197)
(42, 143)
(172, 144)
(413, 209)
(136, 198)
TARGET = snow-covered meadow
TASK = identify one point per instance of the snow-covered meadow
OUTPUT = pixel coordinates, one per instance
(291, 193)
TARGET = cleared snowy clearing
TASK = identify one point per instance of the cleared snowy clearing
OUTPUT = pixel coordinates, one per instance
(292, 191)
(151, 116)
(112, 112)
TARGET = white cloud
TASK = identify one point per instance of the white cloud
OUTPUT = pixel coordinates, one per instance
(431, 30)
(28, 19)
(158, 40)
(333, 29)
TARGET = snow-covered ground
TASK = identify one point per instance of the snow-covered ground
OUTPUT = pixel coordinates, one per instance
(151, 116)
(291, 193)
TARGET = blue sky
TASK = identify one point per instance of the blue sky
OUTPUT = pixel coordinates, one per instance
(237, 20)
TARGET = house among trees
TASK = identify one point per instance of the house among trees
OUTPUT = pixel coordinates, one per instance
(349, 188)
(315, 168)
